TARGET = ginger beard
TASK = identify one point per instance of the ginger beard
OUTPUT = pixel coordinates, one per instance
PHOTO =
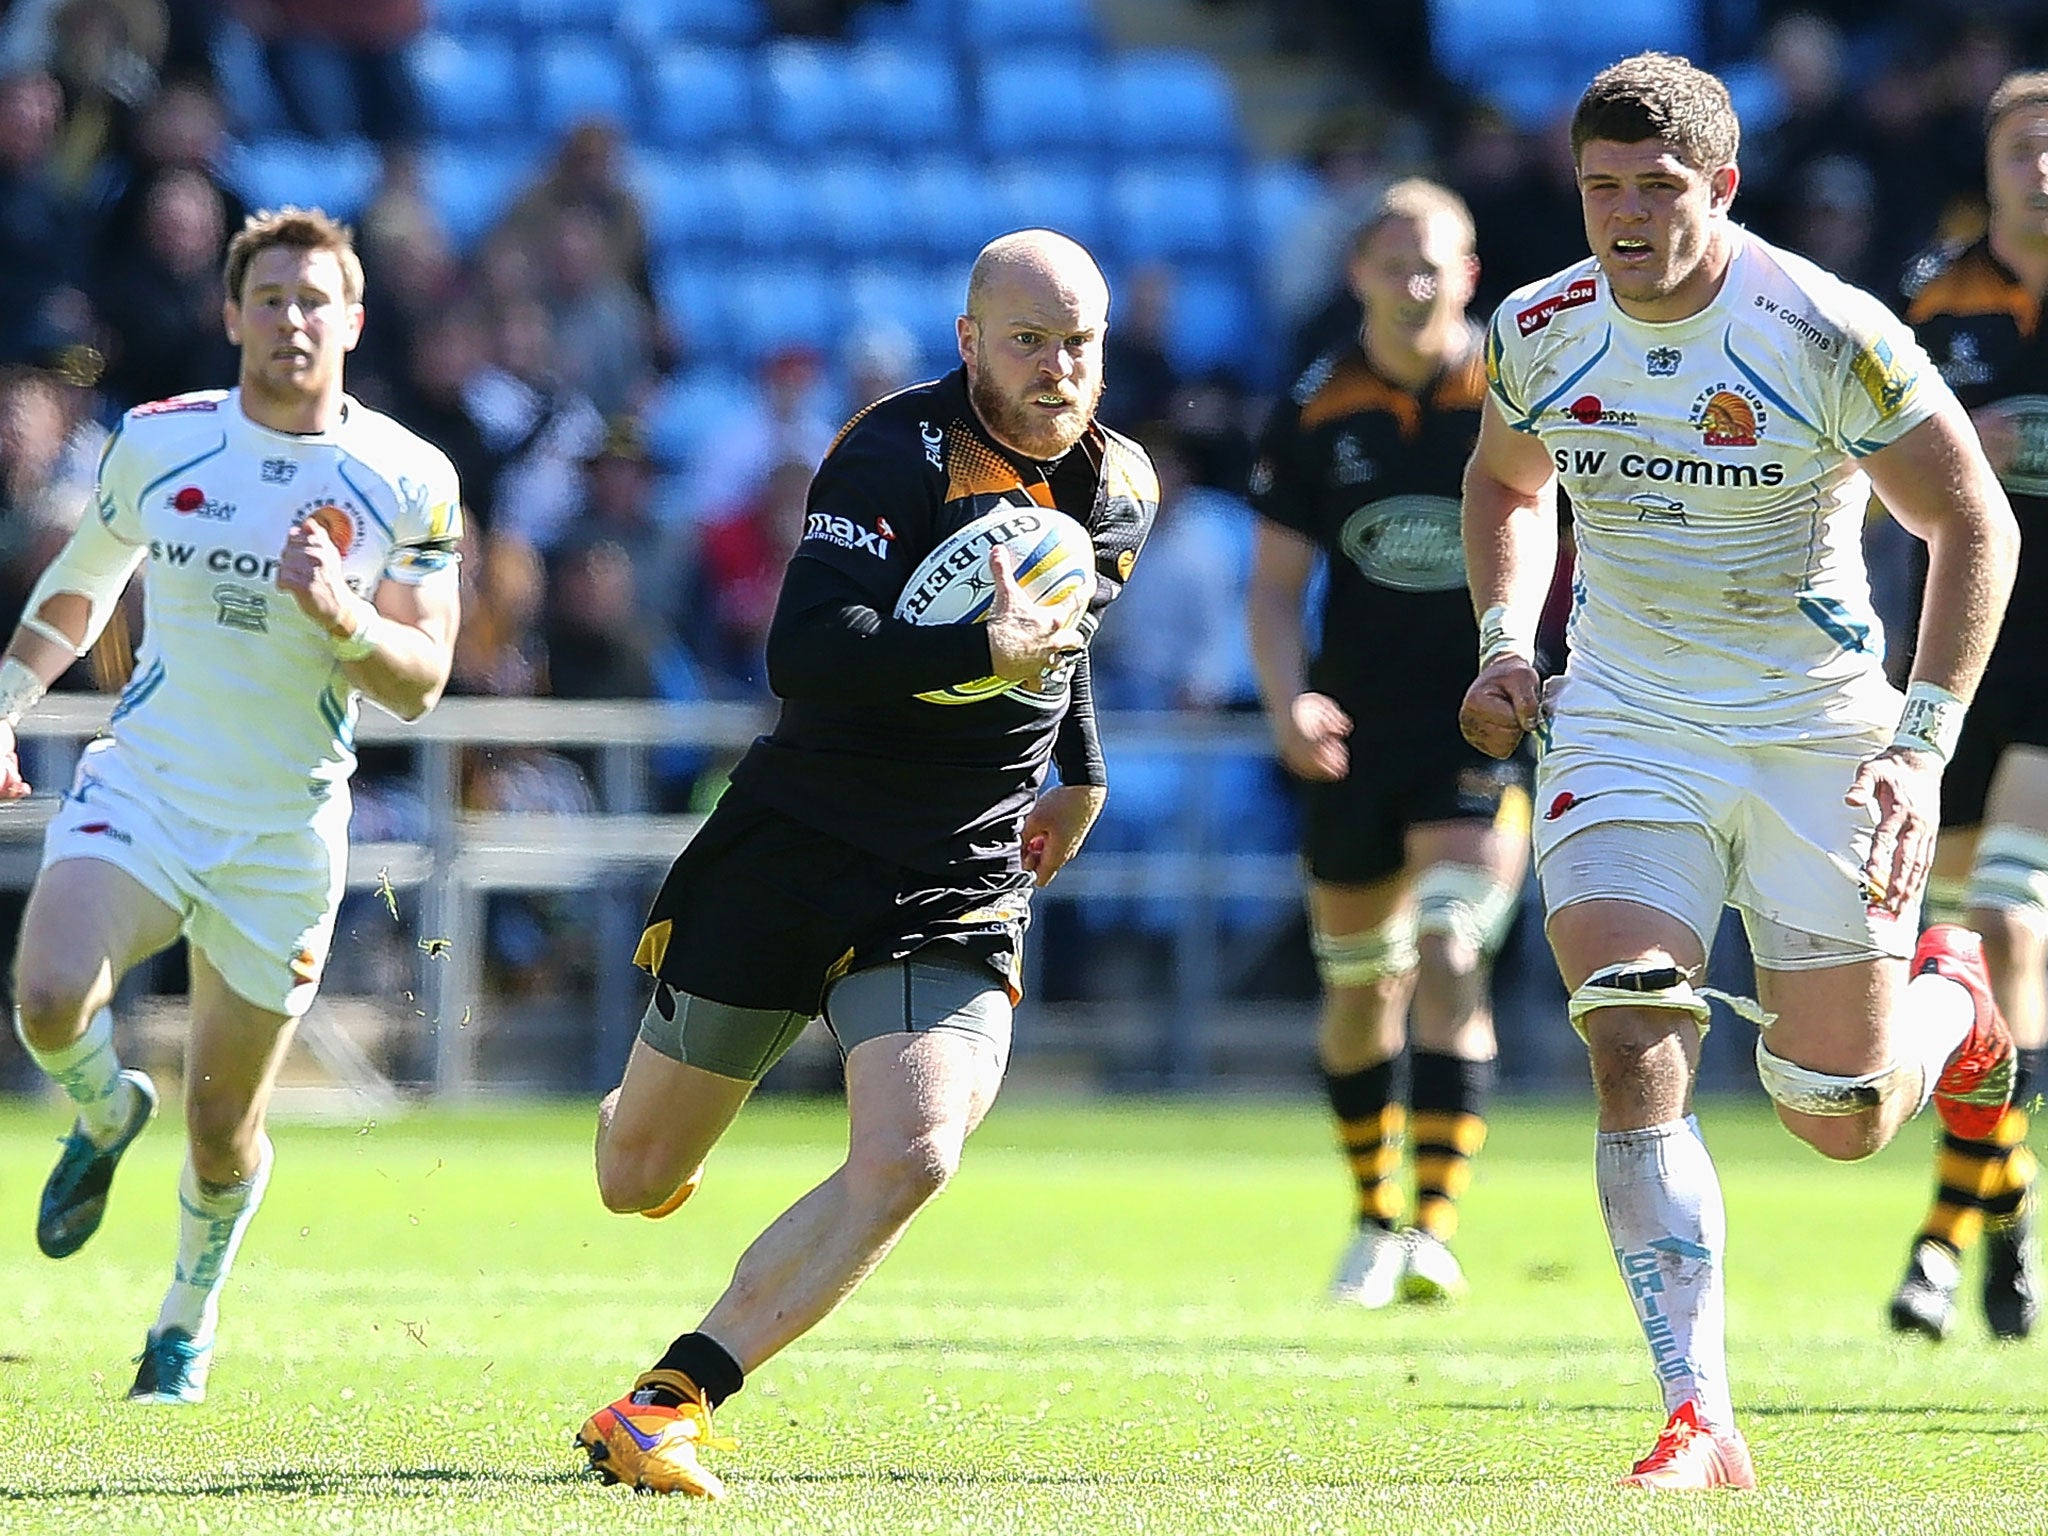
(1025, 421)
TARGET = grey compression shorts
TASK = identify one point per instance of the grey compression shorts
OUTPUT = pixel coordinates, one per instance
(931, 990)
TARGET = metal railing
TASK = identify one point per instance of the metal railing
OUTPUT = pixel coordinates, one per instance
(464, 857)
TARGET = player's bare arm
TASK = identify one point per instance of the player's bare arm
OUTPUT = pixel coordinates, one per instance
(65, 613)
(1938, 484)
(397, 650)
(1510, 528)
(1311, 730)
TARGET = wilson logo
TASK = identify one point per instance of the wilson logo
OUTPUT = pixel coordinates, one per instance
(1531, 320)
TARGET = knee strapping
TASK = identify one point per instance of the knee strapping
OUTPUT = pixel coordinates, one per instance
(1360, 959)
(1657, 986)
(1465, 903)
(1822, 1093)
(2011, 873)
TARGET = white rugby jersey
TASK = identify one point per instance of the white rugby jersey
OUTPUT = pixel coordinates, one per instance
(238, 712)
(1717, 501)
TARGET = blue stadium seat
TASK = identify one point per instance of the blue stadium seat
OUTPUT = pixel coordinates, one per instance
(1172, 209)
(943, 202)
(1062, 193)
(542, 17)
(246, 94)
(339, 177)
(689, 406)
(696, 294)
(471, 186)
(1516, 53)
(923, 300)
(770, 206)
(703, 21)
(930, 21)
(1044, 102)
(1278, 193)
(803, 91)
(476, 15)
(857, 200)
(776, 305)
(1215, 319)
(475, 87)
(680, 202)
(905, 94)
(697, 96)
(1171, 99)
(990, 24)
(577, 78)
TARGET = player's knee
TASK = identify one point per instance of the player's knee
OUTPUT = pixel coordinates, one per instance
(1840, 1116)
(899, 1178)
(53, 1006)
(1462, 916)
(630, 1175)
(2014, 938)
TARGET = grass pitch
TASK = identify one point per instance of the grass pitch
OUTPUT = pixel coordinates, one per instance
(1110, 1323)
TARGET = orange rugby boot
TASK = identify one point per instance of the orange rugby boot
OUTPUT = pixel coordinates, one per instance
(1976, 1085)
(652, 1447)
(1690, 1457)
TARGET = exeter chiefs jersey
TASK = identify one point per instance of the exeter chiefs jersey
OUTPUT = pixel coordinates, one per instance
(1717, 502)
(238, 711)
(927, 785)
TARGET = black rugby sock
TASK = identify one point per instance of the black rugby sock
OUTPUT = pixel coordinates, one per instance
(704, 1360)
(1369, 1126)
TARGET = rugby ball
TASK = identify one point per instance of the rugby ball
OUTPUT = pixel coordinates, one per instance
(1051, 556)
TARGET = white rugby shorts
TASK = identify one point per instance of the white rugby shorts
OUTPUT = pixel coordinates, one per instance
(259, 905)
(1765, 829)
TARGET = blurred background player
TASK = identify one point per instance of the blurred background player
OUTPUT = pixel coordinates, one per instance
(1416, 841)
(284, 485)
(874, 858)
(1977, 310)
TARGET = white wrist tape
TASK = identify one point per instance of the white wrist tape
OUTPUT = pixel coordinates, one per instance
(94, 564)
(20, 689)
(1931, 721)
(361, 640)
(1502, 634)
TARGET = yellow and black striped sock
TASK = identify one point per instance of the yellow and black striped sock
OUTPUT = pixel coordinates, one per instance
(2017, 1168)
(1447, 1096)
(1369, 1126)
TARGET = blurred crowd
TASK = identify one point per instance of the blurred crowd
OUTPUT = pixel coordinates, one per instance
(600, 568)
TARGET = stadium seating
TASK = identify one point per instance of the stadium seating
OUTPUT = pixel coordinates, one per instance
(1168, 210)
(805, 94)
(1045, 101)
(471, 186)
(576, 78)
(1517, 53)
(275, 171)
(1004, 24)
(697, 98)
(906, 94)
(1161, 99)
(474, 86)
(707, 21)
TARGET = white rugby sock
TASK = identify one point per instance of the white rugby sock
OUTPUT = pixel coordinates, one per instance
(1662, 1201)
(211, 1221)
(1931, 1021)
(89, 1073)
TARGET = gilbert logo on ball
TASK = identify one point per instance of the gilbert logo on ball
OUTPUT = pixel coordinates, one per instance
(1052, 558)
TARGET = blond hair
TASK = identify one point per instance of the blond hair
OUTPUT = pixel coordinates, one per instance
(1417, 200)
(299, 229)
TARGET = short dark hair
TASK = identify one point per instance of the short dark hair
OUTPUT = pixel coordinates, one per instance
(1663, 97)
(301, 229)
(2025, 88)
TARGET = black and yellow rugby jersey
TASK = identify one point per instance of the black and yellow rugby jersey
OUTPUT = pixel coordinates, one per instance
(1982, 328)
(930, 786)
(1371, 473)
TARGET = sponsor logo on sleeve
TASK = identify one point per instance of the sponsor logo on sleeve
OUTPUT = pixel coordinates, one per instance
(845, 533)
(1887, 381)
(1531, 320)
(173, 406)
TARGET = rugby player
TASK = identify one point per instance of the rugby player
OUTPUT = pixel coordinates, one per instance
(301, 555)
(1724, 734)
(1416, 842)
(873, 860)
(1977, 311)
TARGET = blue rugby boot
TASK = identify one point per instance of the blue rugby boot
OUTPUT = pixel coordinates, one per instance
(75, 1196)
(172, 1369)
